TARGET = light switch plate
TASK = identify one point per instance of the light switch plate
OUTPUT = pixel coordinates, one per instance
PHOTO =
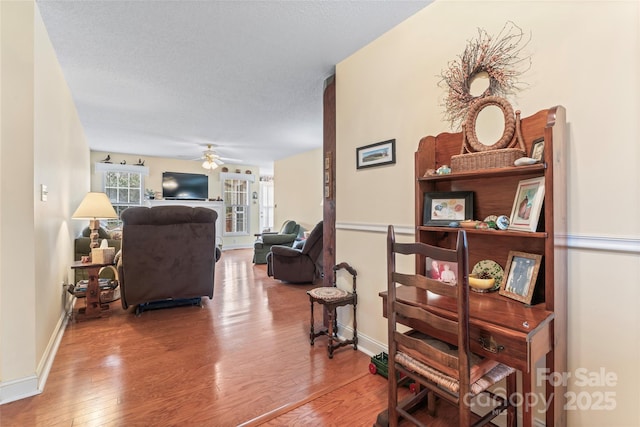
(43, 192)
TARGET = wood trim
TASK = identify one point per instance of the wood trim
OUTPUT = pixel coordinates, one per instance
(570, 241)
(329, 199)
(599, 243)
(376, 228)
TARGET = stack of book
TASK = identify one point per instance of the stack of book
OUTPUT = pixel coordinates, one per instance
(80, 288)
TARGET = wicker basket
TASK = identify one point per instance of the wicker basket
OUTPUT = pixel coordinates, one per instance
(485, 159)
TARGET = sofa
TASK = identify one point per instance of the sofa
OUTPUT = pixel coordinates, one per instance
(298, 265)
(82, 247)
(289, 232)
(168, 256)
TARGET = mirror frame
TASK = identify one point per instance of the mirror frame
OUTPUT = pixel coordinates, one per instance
(472, 117)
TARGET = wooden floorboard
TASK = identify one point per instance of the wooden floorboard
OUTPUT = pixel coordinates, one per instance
(243, 358)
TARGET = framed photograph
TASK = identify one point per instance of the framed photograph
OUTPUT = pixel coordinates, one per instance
(520, 276)
(378, 154)
(440, 208)
(328, 172)
(527, 205)
(441, 270)
(537, 149)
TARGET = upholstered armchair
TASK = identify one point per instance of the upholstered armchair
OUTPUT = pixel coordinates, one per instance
(295, 265)
(286, 236)
(168, 255)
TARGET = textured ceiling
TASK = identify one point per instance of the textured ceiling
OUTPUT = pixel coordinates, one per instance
(166, 78)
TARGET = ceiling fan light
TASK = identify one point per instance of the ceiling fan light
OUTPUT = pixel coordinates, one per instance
(211, 159)
(209, 164)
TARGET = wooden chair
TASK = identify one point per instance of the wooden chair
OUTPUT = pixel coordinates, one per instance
(451, 372)
(332, 297)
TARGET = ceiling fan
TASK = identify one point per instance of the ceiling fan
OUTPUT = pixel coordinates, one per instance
(211, 159)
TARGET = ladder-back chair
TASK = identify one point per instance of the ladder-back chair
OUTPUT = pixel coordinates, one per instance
(449, 371)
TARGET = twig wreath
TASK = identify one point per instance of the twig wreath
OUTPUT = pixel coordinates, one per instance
(497, 57)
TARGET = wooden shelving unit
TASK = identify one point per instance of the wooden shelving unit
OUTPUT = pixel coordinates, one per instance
(494, 192)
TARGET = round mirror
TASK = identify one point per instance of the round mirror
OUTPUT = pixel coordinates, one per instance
(490, 124)
(492, 117)
(479, 84)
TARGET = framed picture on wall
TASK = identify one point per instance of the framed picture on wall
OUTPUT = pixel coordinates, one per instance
(378, 154)
(328, 176)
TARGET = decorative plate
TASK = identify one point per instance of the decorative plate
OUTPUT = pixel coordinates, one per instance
(493, 269)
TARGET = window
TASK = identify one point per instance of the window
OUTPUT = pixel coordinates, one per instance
(123, 185)
(235, 193)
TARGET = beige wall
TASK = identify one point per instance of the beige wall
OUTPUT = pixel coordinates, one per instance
(42, 142)
(298, 190)
(585, 56)
(158, 165)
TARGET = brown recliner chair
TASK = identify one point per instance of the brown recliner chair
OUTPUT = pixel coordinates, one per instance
(297, 265)
(168, 256)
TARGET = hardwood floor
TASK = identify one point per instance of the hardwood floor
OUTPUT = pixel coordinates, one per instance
(243, 358)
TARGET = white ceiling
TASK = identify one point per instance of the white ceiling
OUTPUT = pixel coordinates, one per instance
(166, 78)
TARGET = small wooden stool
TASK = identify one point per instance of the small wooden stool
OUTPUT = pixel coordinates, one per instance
(331, 297)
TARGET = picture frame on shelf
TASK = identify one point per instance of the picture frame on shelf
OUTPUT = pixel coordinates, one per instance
(443, 271)
(521, 274)
(537, 149)
(527, 205)
(441, 208)
(378, 154)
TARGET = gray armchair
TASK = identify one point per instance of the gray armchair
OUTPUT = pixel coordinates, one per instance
(298, 265)
(286, 236)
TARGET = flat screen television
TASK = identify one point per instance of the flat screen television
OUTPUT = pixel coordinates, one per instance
(185, 186)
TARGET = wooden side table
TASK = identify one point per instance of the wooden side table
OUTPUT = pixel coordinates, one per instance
(93, 308)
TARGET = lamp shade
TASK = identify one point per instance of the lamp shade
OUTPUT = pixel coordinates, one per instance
(95, 206)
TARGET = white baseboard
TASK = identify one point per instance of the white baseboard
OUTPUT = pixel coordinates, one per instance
(366, 344)
(44, 367)
(237, 246)
(33, 385)
(21, 388)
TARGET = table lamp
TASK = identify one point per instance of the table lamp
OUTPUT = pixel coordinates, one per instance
(95, 206)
